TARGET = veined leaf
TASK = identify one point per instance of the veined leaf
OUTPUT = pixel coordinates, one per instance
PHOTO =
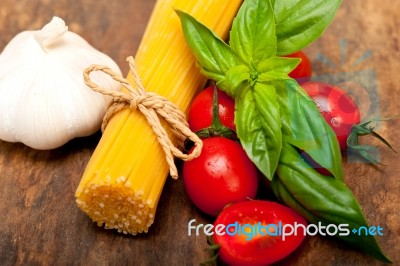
(321, 199)
(309, 131)
(276, 68)
(235, 78)
(259, 127)
(298, 23)
(253, 37)
(213, 54)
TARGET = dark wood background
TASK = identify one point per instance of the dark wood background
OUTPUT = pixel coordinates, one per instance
(40, 223)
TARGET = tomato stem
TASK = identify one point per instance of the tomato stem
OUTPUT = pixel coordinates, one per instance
(210, 261)
(367, 153)
(216, 122)
(214, 251)
(216, 128)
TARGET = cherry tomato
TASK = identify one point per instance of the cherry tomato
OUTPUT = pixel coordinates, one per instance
(338, 109)
(200, 113)
(259, 242)
(222, 174)
(302, 72)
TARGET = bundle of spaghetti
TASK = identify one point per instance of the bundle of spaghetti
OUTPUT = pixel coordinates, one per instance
(124, 178)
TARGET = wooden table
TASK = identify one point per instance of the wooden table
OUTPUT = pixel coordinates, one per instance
(40, 223)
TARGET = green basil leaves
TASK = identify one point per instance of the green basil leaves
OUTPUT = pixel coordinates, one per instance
(254, 40)
(212, 53)
(322, 200)
(276, 120)
(309, 131)
(257, 126)
(298, 23)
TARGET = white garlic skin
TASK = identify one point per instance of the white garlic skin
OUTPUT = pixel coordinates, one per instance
(44, 101)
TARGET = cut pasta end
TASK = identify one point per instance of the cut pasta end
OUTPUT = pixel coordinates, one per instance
(116, 206)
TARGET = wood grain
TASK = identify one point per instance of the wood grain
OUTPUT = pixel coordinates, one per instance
(40, 223)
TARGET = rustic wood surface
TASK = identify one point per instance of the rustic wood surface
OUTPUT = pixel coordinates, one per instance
(40, 223)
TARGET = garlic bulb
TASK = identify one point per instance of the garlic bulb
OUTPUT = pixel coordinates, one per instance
(44, 101)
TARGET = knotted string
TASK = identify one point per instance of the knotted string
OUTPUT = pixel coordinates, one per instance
(151, 105)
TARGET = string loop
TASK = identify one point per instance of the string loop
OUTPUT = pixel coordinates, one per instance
(152, 106)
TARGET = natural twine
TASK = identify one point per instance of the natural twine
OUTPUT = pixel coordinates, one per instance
(151, 105)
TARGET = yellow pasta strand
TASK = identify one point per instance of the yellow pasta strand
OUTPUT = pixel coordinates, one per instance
(123, 180)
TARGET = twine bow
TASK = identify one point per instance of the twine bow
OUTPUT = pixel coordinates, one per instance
(151, 105)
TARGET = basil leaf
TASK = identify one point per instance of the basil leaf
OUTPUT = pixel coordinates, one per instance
(252, 37)
(280, 86)
(234, 79)
(212, 53)
(321, 199)
(298, 23)
(284, 195)
(276, 68)
(258, 126)
(308, 130)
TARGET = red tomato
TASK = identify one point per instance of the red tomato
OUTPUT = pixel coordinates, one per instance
(222, 174)
(338, 109)
(265, 246)
(200, 113)
(302, 72)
